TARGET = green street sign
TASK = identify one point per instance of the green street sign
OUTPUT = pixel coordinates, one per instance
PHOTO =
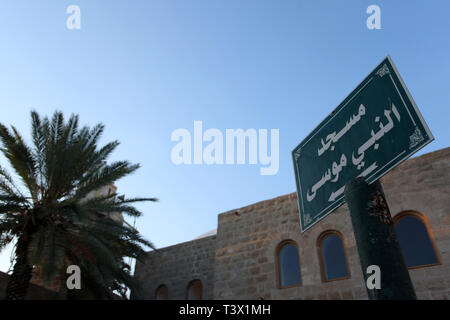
(374, 129)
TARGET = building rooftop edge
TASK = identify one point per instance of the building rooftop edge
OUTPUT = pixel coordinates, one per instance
(293, 195)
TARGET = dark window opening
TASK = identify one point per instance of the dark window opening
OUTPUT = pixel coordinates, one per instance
(162, 293)
(289, 266)
(334, 262)
(415, 242)
(195, 290)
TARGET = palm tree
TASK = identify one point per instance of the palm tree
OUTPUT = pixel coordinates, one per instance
(52, 216)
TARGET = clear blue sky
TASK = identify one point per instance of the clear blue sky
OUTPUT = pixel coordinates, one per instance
(146, 68)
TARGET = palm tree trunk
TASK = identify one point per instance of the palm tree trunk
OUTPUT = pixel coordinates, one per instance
(20, 279)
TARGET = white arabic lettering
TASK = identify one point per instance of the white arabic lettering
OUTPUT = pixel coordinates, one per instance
(333, 137)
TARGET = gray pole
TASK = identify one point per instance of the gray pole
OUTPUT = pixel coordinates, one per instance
(377, 241)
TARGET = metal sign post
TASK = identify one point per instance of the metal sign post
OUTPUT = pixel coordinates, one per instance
(377, 241)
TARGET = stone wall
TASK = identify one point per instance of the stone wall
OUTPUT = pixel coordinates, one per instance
(34, 292)
(176, 266)
(245, 263)
(246, 253)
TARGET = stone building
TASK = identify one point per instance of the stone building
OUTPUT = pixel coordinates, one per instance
(259, 251)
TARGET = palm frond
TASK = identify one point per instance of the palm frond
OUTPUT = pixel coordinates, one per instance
(61, 222)
(20, 157)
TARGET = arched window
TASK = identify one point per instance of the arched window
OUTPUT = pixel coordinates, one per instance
(162, 293)
(332, 257)
(415, 239)
(288, 264)
(194, 290)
